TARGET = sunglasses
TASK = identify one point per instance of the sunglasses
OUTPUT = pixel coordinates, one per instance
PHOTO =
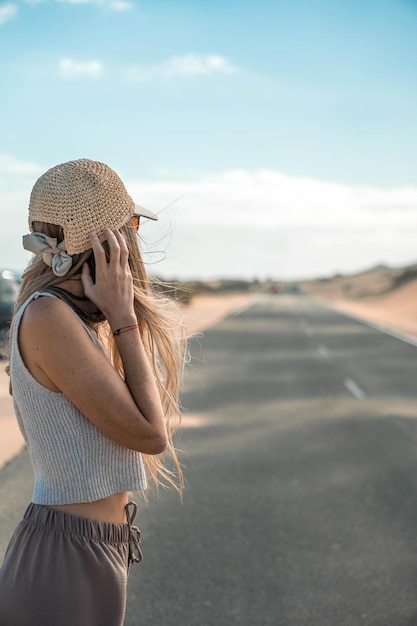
(136, 221)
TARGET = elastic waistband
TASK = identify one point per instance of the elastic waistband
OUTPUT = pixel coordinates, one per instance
(63, 522)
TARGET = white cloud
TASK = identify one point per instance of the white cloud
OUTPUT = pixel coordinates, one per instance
(268, 223)
(70, 68)
(121, 5)
(186, 65)
(10, 165)
(115, 5)
(16, 181)
(271, 198)
(7, 12)
(245, 223)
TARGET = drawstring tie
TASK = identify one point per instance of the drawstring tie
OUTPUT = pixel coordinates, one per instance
(135, 553)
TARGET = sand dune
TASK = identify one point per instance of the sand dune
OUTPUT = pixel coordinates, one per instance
(382, 295)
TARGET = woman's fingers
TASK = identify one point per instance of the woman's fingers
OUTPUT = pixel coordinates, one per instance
(114, 248)
(117, 247)
(112, 288)
(118, 253)
(124, 252)
(114, 244)
(99, 254)
(86, 279)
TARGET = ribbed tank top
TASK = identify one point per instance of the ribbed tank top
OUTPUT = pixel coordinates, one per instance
(73, 461)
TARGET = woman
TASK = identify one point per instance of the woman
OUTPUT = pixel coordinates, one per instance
(94, 374)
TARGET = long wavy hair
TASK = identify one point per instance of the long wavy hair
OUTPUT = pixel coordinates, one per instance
(159, 323)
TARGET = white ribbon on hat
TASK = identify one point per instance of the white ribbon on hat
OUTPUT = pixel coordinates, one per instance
(54, 254)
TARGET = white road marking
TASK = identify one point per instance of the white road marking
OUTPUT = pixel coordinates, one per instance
(307, 329)
(354, 389)
(323, 351)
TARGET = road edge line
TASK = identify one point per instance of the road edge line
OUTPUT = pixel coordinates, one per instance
(384, 329)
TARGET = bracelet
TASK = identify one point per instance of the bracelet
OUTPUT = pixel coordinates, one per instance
(124, 329)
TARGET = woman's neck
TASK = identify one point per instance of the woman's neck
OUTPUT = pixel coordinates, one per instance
(74, 287)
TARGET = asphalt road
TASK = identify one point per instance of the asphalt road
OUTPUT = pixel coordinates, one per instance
(301, 466)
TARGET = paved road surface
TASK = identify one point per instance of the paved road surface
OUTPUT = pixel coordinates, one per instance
(301, 463)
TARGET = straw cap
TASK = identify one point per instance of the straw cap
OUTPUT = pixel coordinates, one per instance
(82, 196)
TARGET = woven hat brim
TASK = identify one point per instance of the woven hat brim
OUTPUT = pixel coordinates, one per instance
(140, 210)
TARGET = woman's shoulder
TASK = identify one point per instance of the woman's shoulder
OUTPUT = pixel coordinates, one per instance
(51, 341)
(44, 307)
(46, 315)
(49, 334)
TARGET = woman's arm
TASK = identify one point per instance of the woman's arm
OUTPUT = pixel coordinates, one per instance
(56, 345)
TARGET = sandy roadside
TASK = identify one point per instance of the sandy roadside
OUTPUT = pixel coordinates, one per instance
(396, 311)
(384, 317)
(201, 314)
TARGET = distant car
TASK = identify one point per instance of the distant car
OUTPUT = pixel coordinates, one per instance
(275, 287)
(292, 288)
(9, 288)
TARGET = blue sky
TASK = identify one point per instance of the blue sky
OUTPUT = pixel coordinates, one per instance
(276, 138)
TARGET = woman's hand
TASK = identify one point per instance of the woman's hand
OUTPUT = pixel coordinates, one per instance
(112, 291)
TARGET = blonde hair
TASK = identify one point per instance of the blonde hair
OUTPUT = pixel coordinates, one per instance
(162, 334)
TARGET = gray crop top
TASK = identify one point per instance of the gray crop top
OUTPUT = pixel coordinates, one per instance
(73, 461)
